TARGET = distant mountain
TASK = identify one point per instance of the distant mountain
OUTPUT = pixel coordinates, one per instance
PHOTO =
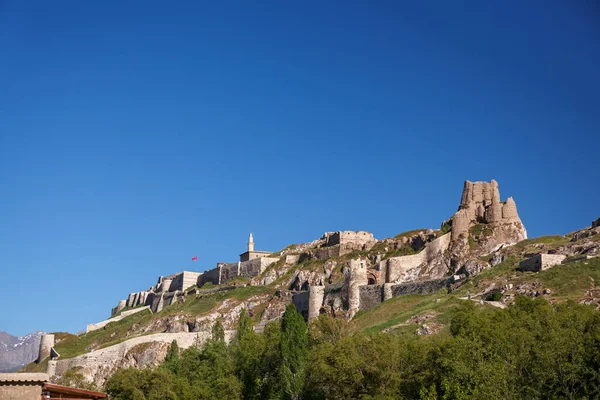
(17, 351)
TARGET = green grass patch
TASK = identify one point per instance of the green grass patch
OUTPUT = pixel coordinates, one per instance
(409, 233)
(573, 279)
(554, 240)
(400, 309)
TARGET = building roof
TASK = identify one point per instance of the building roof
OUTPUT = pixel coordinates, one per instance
(24, 377)
(257, 251)
(71, 393)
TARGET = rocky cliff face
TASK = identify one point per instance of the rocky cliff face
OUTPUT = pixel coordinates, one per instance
(15, 352)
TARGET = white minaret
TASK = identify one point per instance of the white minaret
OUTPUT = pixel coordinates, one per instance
(250, 242)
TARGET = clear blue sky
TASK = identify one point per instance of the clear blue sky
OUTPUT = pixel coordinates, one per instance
(134, 135)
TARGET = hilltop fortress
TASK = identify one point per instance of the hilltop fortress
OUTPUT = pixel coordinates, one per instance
(435, 264)
(339, 274)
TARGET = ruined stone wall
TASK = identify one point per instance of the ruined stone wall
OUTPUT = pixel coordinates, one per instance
(348, 241)
(212, 275)
(596, 223)
(101, 324)
(99, 364)
(328, 252)
(370, 296)
(121, 305)
(229, 272)
(420, 287)
(411, 267)
(541, 262)
(256, 266)
(184, 280)
(301, 302)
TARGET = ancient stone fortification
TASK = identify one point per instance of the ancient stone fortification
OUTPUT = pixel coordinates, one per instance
(97, 365)
(357, 295)
(172, 288)
(541, 262)
(335, 244)
(480, 203)
(46, 344)
(429, 262)
(124, 314)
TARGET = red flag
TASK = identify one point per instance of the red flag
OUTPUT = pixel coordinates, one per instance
(194, 258)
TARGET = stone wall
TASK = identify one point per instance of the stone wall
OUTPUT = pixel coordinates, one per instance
(184, 280)
(101, 324)
(411, 267)
(370, 296)
(99, 364)
(420, 287)
(229, 271)
(541, 262)
(212, 275)
(345, 242)
(596, 223)
(301, 302)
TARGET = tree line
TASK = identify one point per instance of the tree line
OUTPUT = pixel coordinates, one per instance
(531, 350)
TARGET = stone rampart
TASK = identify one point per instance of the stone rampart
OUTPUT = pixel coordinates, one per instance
(212, 275)
(184, 280)
(229, 271)
(110, 358)
(408, 268)
(370, 296)
(420, 287)
(124, 314)
(301, 302)
(349, 240)
(541, 262)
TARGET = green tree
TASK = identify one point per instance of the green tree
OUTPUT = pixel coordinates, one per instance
(172, 358)
(244, 325)
(218, 332)
(293, 348)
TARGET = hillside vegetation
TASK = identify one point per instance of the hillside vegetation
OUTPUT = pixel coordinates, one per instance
(481, 355)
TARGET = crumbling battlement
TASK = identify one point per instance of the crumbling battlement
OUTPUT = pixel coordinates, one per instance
(541, 262)
(480, 203)
(349, 240)
(356, 294)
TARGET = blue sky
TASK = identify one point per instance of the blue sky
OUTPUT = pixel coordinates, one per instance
(134, 135)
